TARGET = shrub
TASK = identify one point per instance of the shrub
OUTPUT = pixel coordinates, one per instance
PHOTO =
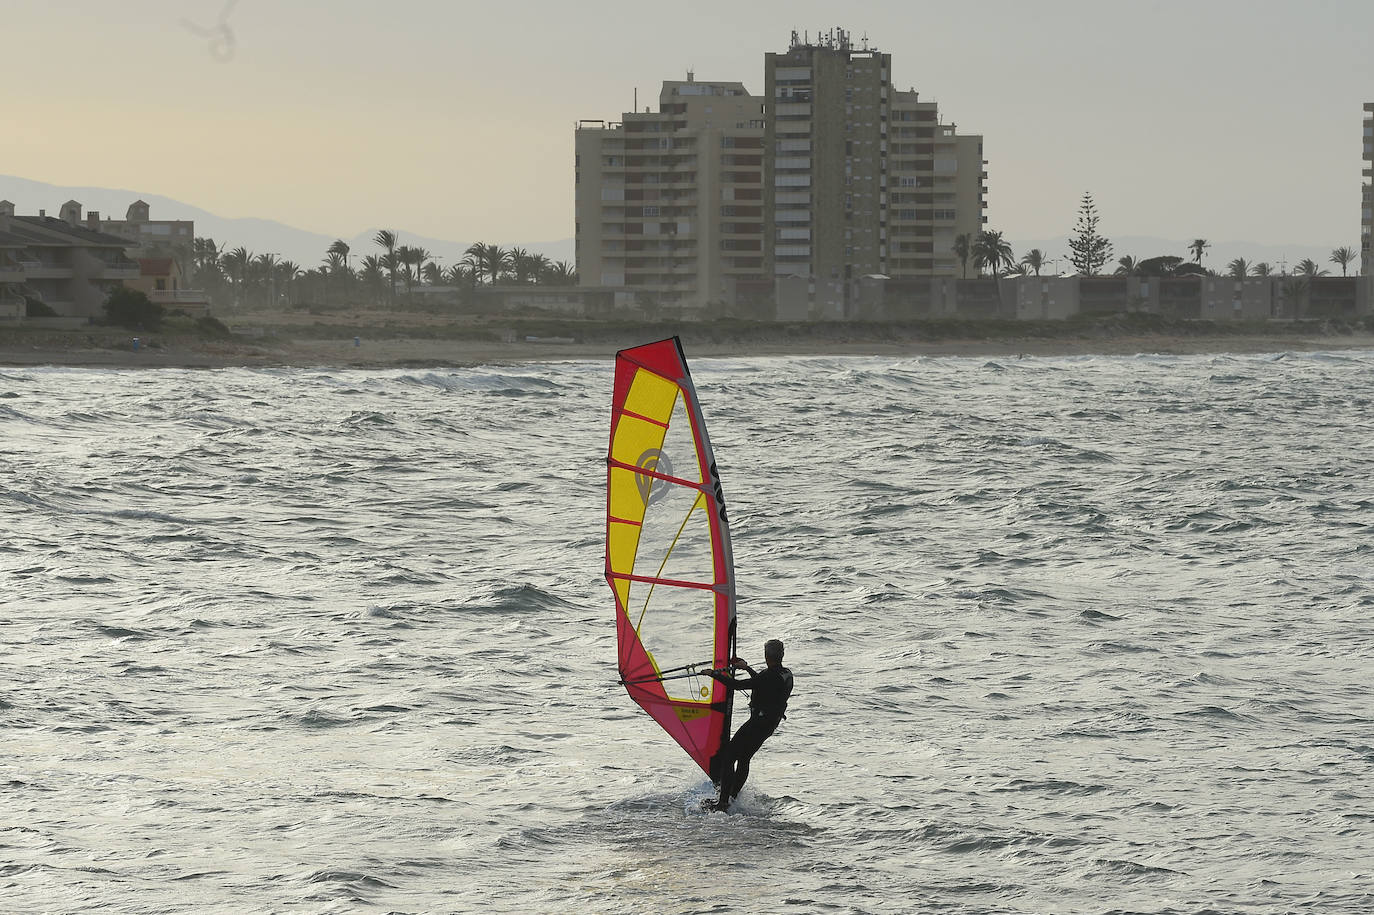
(133, 309)
(212, 327)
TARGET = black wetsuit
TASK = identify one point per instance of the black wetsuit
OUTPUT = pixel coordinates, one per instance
(769, 692)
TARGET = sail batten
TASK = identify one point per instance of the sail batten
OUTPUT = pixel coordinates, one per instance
(668, 556)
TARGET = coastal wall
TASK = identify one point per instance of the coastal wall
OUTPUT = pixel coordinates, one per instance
(1028, 298)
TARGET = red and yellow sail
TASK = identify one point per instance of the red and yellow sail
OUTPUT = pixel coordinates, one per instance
(668, 557)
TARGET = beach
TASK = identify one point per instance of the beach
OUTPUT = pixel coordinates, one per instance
(110, 349)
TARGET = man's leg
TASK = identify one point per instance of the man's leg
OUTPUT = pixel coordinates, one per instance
(727, 776)
(742, 749)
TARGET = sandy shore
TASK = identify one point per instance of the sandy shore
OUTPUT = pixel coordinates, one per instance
(394, 353)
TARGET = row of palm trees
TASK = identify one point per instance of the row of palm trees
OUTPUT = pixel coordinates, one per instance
(990, 253)
(240, 276)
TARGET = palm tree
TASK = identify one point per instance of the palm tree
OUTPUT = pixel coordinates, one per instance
(1197, 247)
(434, 274)
(1127, 266)
(405, 256)
(287, 272)
(266, 267)
(236, 264)
(472, 261)
(465, 277)
(204, 254)
(391, 262)
(962, 248)
(340, 247)
(1343, 256)
(420, 255)
(1238, 268)
(491, 260)
(1262, 269)
(1034, 259)
(1308, 268)
(561, 273)
(539, 267)
(991, 252)
(386, 238)
(372, 274)
(520, 265)
(498, 261)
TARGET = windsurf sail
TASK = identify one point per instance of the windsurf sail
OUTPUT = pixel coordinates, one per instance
(668, 558)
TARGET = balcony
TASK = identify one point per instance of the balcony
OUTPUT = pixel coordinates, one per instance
(117, 271)
(37, 270)
(11, 274)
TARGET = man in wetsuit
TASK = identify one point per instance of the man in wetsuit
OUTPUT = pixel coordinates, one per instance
(769, 692)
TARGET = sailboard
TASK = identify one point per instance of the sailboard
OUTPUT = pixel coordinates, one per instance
(668, 558)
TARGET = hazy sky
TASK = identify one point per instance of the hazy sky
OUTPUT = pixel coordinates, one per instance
(1226, 119)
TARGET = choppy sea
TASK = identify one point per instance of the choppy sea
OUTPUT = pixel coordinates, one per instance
(1087, 634)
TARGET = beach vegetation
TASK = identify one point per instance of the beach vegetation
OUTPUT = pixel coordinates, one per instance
(133, 309)
(1198, 246)
(385, 238)
(1164, 265)
(1034, 260)
(1342, 257)
(963, 249)
(1091, 250)
(339, 248)
(991, 252)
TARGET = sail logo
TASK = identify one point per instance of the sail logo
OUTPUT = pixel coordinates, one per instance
(656, 461)
(720, 493)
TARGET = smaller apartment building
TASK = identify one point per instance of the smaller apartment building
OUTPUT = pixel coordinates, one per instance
(68, 266)
(668, 203)
(172, 238)
(937, 189)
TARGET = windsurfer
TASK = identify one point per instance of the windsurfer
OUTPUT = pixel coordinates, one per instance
(769, 692)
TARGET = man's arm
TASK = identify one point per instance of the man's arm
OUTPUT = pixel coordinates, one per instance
(735, 682)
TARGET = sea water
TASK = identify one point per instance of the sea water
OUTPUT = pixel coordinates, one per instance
(1069, 635)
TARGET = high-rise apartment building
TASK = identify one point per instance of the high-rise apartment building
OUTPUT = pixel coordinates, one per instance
(669, 203)
(859, 179)
(1367, 212)
(830, 177)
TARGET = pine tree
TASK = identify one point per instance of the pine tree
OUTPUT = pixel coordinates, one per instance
(1090, 250)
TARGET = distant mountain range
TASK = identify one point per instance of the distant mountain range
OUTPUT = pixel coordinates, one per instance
(261, 236)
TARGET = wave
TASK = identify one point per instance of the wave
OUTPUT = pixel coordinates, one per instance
(521, 598)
